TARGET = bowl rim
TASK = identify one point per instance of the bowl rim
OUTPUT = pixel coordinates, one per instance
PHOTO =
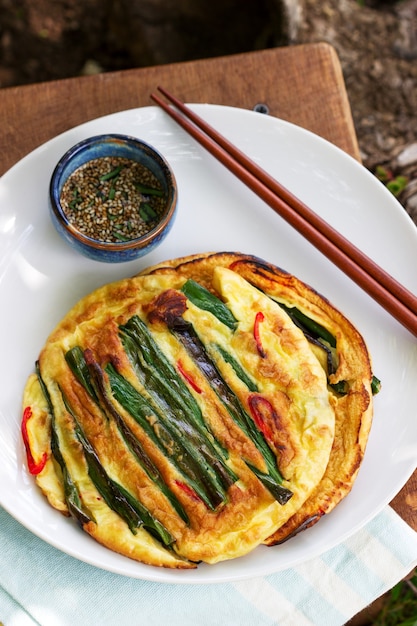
(108, 246)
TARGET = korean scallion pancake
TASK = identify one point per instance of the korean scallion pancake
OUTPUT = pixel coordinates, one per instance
(185, 414)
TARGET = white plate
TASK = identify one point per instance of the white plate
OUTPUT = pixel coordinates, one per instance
(41, 278)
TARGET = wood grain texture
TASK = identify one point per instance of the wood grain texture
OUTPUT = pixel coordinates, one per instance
(405, 502)
(300, 84)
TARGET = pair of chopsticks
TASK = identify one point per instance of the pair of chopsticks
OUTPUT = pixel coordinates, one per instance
(381, 286)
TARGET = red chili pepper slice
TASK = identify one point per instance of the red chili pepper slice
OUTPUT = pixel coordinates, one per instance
(188, 377)
(33, 467)
(261, 409)
(187, 489)
(259, 318)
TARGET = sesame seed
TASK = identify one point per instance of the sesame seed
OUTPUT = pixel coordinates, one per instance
(113, 199)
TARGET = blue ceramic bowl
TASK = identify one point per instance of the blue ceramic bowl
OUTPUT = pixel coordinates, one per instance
(118, 146)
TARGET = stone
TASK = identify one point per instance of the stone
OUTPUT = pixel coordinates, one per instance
(408, 156)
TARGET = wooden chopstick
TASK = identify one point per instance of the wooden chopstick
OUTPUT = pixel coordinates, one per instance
(375, 281)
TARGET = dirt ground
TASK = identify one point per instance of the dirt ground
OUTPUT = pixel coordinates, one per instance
(376, 41)
(377, 45)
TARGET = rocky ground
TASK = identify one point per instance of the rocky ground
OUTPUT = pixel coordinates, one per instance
(376, 41)
(377, 46)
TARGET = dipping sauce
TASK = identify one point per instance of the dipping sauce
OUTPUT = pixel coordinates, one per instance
(113, 199)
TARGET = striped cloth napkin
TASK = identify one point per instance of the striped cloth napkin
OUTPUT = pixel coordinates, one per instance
(42, 586)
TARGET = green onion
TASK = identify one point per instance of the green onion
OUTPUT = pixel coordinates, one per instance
(120, 237)
(116, 497)
(316, 333)
(92, 378)
(204, 299)
(150, 523)
(113, 174)
(72, 496)
(171, 444)
(341, 388)
(306, 323)
(238, 369)
(78, 366)
(174, 401)
(185, 332)
(148, 191)
(151, 365)
(375, 385)
(146, 212)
